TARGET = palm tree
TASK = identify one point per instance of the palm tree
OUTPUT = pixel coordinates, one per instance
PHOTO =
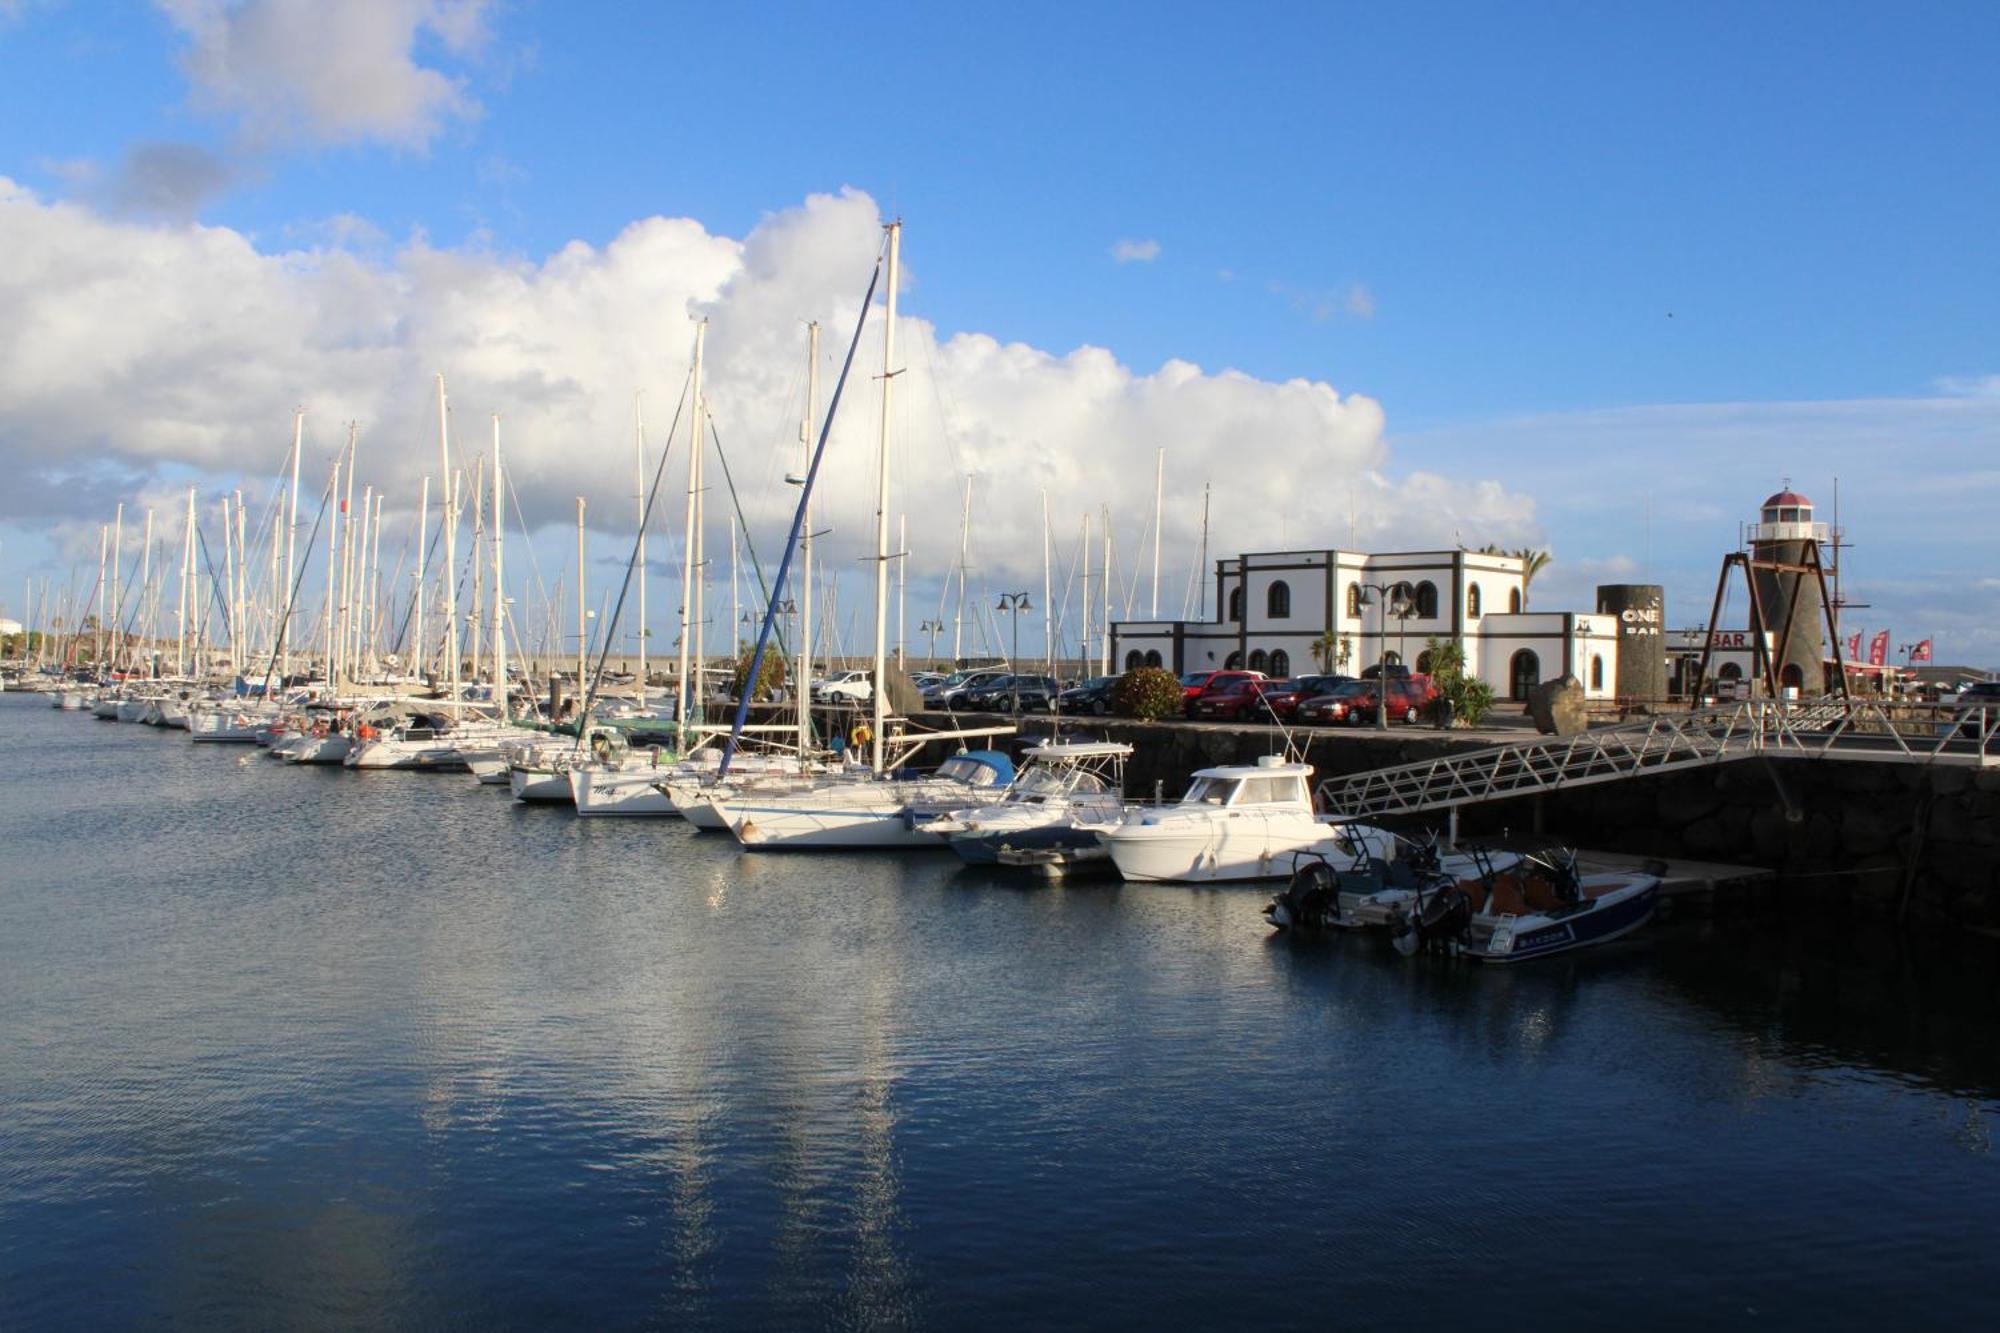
(1323, 649)
(1532, 561)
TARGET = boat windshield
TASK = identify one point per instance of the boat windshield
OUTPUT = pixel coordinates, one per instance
(1210, 791)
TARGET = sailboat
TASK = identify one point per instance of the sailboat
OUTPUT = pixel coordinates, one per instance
(868, 810)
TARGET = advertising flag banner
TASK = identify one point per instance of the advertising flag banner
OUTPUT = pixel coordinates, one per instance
(1854, 646)
(1878, 649)
(1922, 652)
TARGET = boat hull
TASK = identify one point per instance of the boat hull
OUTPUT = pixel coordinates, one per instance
(1603, 920)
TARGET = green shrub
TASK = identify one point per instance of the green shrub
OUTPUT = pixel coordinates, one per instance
(770, 674)
(1471, 698)
(1147, 693)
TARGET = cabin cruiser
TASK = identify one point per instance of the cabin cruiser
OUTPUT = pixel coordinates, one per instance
(1541, 907)
(424, 743)
(695, 786)
(1064, 792)
(1238, 822)
(864, 810)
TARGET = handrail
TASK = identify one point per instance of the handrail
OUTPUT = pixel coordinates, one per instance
(1855, 729)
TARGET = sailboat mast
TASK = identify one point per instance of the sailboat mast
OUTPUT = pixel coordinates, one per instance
(499, 599)
(1104, 590)
(1159, 508)
(902, 586)
(1048, 590)
(964, 537)
(97, 597)
(690, 549)
(281, 597)
(146, 589)
(803, 686)
(447, 502)
(582, 613)
(639, 446)
(332, 557)
(229, 581)
(1201, 572)
(181, 613)
(879, 692)
(417, 651)
(473, 644)
(1083, 655)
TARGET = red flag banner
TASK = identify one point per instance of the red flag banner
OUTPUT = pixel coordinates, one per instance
(1922, 652)
(1878, 649)
(1854, 646)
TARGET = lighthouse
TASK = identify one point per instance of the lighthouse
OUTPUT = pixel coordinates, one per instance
(1781, 536)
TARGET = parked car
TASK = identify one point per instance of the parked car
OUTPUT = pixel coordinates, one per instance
(1392, 670)
(1251, 699)
(923, 680)
(843, 687)
(1036, 694)
(941, 694)
(1311, 687)
(1983, 695)
(1200, 684)
(1355, 702)
(1093, 697)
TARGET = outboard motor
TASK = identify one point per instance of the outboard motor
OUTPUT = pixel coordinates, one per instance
(1440, 920)
(1310, 901)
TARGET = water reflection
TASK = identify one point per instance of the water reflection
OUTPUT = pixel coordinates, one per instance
(387, 1049)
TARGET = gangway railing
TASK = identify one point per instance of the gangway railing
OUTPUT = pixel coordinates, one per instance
(1855, 729)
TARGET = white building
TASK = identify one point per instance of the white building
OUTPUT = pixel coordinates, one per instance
(1277, 605)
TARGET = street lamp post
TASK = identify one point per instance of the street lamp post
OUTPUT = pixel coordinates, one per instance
(931, 628)
(1016, 603)
(1395, 598)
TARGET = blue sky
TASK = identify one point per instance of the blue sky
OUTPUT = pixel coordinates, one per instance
(1480, 217)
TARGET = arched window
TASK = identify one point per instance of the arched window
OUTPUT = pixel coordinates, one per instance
(1233, 662)
(1424, 662)
(1792, 677)
(1153, 658)
(1278, 601)
(1596, 672)
(1513, 601)
(1281, 663)
(1472, 602)
(1135, 658)
(1523, 673)
(1392, 658)
(1427, 600)
(1729, 671)
(1257, 659)
(1236, 603)
(1354, 600)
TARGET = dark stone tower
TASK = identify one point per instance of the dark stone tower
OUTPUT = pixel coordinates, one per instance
(1640, 609)
(1785, 528)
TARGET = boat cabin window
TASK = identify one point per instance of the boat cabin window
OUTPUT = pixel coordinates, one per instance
(1267, 790)
(1210, 791)
(965, 770)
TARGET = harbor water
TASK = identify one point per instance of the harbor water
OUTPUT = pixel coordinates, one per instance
(306, 1047)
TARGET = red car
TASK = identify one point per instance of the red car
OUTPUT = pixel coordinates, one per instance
(1251, 699)
(1198, 685)
(1354, 703)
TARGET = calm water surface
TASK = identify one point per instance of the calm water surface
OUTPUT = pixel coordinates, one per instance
(306, 1047)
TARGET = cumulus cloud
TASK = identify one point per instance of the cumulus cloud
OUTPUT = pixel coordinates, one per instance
(307, 70)
(134, 351)
(1135, 252)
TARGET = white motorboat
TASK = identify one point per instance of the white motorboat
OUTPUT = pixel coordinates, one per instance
(1240, 822)
(1541, 907)
(862, 811)
(1065, 792)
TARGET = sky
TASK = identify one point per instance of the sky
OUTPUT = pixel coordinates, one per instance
(1589, 278)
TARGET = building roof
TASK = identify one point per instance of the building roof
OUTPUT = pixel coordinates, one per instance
(1788, 499)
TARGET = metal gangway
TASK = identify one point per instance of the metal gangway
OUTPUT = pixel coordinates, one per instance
(1830, 728)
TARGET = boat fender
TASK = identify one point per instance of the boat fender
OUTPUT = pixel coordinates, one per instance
(860, 736)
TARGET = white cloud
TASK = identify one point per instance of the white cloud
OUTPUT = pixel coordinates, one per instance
(161, 180)
(133, 351)
(1135, 252)
(1360, 302)
(317, 71)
